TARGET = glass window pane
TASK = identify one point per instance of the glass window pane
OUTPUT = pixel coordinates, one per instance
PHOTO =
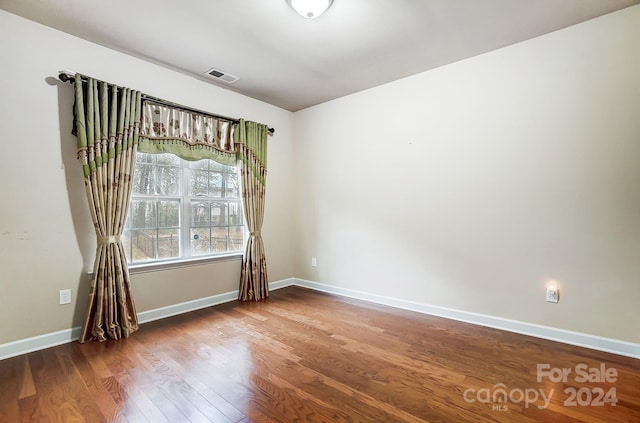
(144, 158)
(236, 238)
(200, 214)
(200, 241)
(200, 164)
(219, 238)
(199, 183)
(219, 167)
(168, 214)
(232, 187)
(143, 214)
(215, 184)
(168, 159)
(235, 213)
(168, 243)
(218, 213)
(144, 179)
(168, 180)
(143, 244)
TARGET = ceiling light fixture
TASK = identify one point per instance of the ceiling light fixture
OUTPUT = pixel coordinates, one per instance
(310, 9)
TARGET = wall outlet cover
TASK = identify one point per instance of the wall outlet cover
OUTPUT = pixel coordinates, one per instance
(65, 296)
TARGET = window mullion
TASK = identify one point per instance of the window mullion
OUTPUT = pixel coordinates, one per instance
(186, 211)
(156, 177)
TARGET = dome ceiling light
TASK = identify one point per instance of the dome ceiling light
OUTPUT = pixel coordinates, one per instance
(310, 9)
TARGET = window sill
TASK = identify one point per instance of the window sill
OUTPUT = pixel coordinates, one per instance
(177, 264)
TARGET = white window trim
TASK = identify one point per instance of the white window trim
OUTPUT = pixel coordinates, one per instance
(179, 263)
(156, 266)
(184, 200)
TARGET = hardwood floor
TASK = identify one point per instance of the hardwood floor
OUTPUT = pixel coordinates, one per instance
(307, 356)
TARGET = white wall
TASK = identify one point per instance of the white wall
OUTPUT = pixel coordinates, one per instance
(472, 185)
(47, 241)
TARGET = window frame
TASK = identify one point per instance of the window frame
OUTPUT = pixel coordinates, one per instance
(185, 201)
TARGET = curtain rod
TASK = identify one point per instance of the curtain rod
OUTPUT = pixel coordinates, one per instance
(69, 76)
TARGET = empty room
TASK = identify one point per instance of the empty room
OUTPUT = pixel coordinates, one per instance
(320, 211)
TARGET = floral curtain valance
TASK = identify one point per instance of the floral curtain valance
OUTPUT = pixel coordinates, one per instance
(189, 135)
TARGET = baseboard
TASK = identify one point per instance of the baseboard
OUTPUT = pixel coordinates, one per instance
(180, 308)
(27, 345)
(175, 309)
(594, 342)
(281, 284)
(628, 349)
(24, 346)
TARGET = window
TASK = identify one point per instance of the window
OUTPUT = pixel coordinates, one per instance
(181, 209)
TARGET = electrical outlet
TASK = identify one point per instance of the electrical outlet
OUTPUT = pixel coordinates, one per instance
(65, 296)
(314, 262)
(552, 295)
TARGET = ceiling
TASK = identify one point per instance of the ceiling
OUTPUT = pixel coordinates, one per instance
(292, 62)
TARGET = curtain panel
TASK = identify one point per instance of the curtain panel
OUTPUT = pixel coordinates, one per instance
(107, 123)
(251, 138)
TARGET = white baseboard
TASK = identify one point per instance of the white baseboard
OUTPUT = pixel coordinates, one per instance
(175, 309)
(629, 349)
(282, 284)
(27, 345)
(24, 346)
(180, 308)
(594, 342)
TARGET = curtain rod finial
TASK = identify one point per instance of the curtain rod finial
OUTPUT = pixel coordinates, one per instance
(66, 76)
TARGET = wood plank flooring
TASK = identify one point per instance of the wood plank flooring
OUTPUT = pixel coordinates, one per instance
(305, 356)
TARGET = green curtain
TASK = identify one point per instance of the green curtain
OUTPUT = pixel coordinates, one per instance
(107, 127)
(251, 144)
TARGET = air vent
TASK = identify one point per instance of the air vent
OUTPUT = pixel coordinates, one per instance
(221, 76)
